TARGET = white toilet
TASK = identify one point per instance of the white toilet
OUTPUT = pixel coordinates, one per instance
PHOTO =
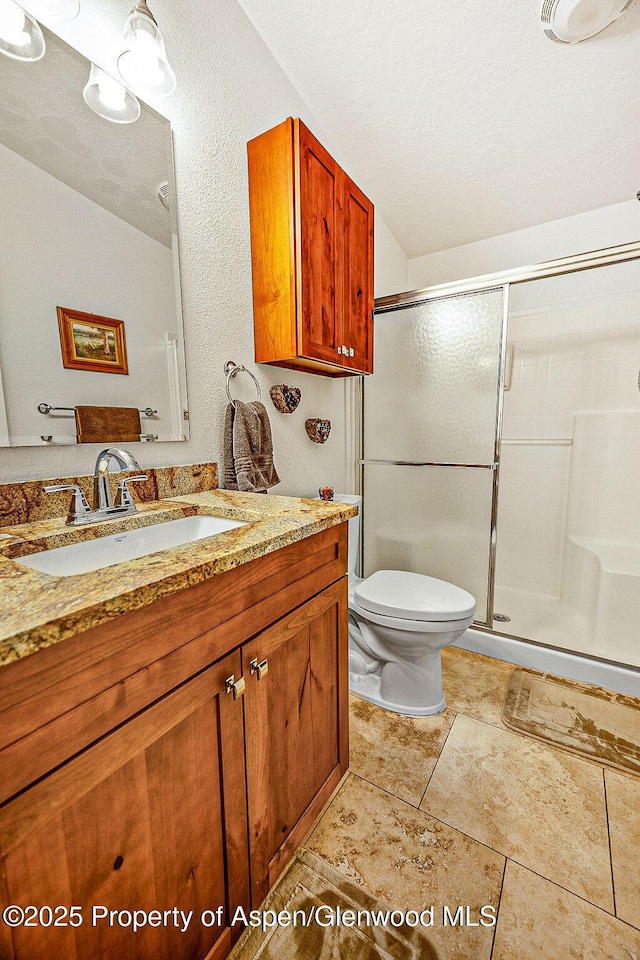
(398, 624)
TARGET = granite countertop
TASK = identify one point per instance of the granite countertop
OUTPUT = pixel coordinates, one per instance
(38, 610)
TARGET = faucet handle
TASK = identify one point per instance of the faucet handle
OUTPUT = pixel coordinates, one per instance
(124, 494)
(78, 506)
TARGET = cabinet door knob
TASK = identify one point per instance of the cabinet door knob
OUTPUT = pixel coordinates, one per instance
(262, 668)
(236, 687)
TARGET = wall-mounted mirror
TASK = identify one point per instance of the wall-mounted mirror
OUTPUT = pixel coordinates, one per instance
(83, 229)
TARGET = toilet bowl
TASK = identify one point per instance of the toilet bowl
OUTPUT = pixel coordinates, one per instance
(398, 624)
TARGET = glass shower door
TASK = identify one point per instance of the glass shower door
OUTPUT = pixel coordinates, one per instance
(431, 441)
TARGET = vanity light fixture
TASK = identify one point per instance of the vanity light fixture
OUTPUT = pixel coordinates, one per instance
(20, 35)
(143, 65)
(64, 9)
(109, 98)
(570, 21)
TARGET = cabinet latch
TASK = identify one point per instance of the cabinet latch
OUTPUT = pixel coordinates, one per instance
(262, 668)
(236, 687)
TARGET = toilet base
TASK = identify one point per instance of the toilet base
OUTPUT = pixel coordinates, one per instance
(366, 685)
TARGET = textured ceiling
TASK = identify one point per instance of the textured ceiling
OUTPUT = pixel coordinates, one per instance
(462, 120)
(44, 118)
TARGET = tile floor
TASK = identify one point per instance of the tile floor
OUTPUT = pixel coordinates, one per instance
(457, 810)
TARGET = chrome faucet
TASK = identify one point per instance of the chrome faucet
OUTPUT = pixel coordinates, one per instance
(103, 505)
(102, 499)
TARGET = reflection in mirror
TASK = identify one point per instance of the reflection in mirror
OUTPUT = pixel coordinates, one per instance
(84, 227)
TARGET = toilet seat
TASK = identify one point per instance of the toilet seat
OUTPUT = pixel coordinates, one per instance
(412, 626)
(398, 595)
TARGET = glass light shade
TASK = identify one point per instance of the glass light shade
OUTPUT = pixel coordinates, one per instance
(64, 9)
(571, 21)
(143, 65)
(109, 99)
(20, 35)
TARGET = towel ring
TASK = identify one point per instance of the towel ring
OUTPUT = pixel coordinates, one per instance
(231, 368)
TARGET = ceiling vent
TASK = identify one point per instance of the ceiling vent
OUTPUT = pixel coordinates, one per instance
(570, 21)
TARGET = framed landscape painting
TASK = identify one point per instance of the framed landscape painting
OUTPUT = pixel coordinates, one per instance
(91, 342)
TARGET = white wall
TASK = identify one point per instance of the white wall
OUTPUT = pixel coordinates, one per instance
(559, 238)
(605, 493)
(582, 356)
(106, 267)
(230, 89)
(392, 265)
(569, 361)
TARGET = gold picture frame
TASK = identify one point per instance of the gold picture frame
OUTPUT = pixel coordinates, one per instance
(91, 342)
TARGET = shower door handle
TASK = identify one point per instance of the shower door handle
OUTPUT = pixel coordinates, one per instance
(431, 463)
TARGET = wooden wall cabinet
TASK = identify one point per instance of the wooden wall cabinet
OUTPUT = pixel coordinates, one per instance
(312, 256)
(191, 797)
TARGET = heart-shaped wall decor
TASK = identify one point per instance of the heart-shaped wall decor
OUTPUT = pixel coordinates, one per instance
(285, 399)
(318, 430)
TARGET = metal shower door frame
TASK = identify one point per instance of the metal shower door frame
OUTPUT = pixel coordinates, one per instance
(494, 466)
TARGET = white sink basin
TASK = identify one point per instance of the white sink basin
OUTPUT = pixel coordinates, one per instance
(107, 551)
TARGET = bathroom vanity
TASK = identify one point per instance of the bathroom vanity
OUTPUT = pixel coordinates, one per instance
(171, 728)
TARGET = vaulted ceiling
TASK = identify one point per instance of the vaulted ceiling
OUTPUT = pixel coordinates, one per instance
(44, 118)
(461, 119)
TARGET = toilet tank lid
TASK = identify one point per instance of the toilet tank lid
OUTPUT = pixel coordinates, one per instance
(413, 596)
(347, 498)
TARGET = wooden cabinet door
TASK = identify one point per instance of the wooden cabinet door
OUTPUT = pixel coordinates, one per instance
(152, 817)
(319, 241)
(311, 256)
(358, 278)
(296, 723)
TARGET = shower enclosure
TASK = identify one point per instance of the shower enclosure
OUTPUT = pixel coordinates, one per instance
(431, 443)
(501, 449)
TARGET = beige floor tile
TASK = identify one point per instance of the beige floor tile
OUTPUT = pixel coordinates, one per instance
(540, 921)
(623, 807)
(475, 685)
(396, 753)
(410, 860)
(537, 805)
